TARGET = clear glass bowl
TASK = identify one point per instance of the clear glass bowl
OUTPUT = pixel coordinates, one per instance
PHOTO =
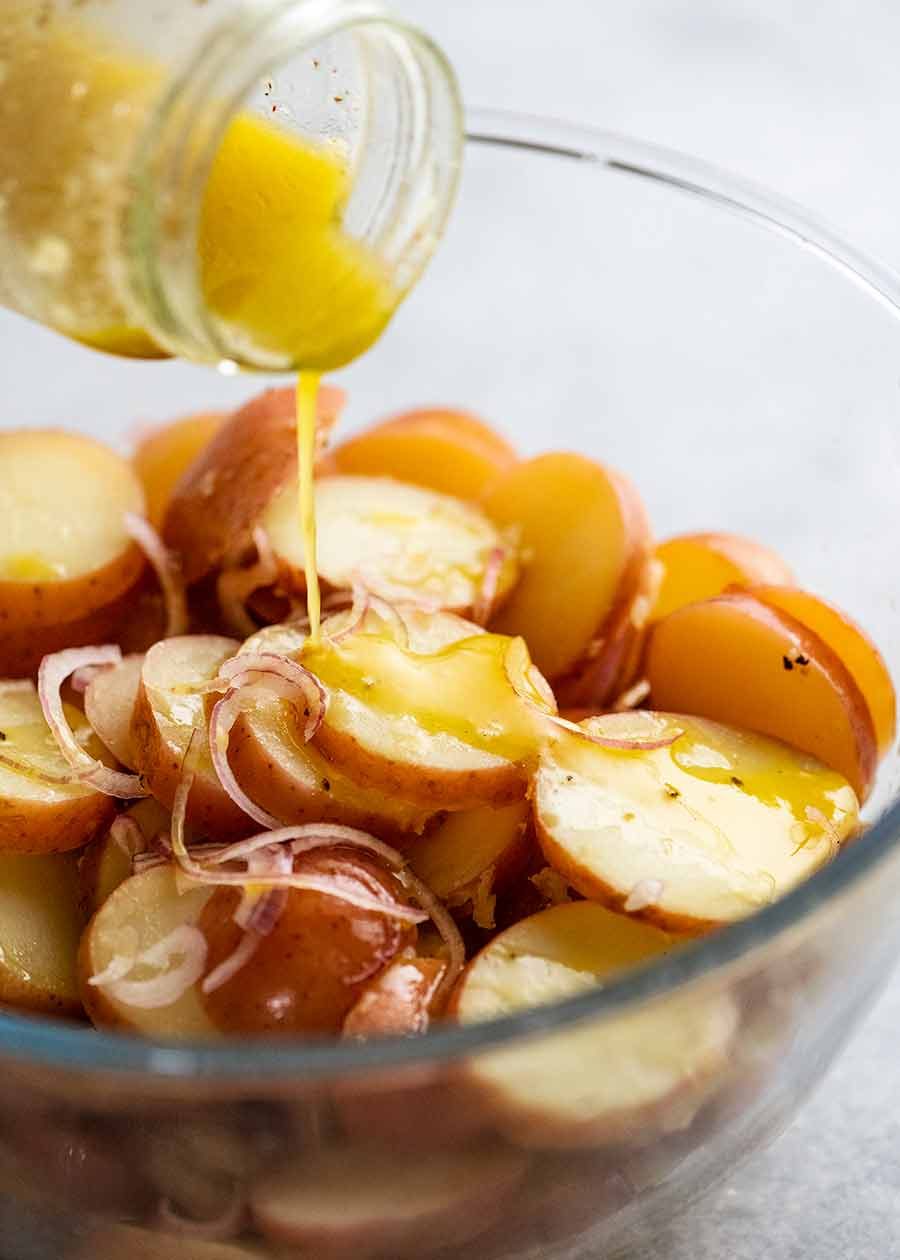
(741, 364)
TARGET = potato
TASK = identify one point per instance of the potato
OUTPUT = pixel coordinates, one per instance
(635, 1074)
(693, 835)
(398, 1002)
(40, 925)
(141, 913)
(130, 1242)
(163, 456)
(109, 702)
(447, 731)
(445, 450)
(849, 642)
(456, 854)
(106, 863)
(736, 660)
(586, 537)
(399, 540)
(354, 1202)
(307, 974)
(166, 714)
(64, 549)
(225, 491)
(38, 815)
(698, 566)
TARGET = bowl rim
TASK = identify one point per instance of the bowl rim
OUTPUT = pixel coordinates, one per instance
(262, 1062)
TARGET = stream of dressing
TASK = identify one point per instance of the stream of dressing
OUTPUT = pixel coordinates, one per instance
(307, 394)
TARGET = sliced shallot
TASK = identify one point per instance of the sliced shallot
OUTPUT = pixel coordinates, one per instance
(167, 987)
(167, 569)
(53, 672)
(235, 586)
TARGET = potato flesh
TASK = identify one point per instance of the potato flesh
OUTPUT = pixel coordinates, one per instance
(722, 820)
(400, 540)
(28, 739)
(62, 501)
(453, 856)
(40, 927)
(138, 915)
(583, 532)
(657, 1064)
(698, 566)
(105, 864)
(109, 706)
(163, 456)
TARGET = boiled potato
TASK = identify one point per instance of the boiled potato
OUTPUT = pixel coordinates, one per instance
(166, 715)
(64, 548)
(398, 1002)
(401, 541)
(463, 847)
(163, 456)
(585, 535)
(355, 1203)
(736, 660)
(225, 491)
(632, 1075)
(106, 862)
(142, 913)
(698, 566)
(44, 815)
(849, 642)
(446, 450)
(40, 925)
(692, 835)
(109, 702)
(307, 974)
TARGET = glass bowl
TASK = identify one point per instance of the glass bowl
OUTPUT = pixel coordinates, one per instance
(740, 363)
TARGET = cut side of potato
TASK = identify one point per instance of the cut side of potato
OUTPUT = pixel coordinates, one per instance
(692, 835)
(449, 451)
(107, 861)
(225, 491)
(40, 926)
(167, 713)
(736, 660)
(142, 913)
(698, 566)
(64, 548)
(163, 456)
(109, 706)
(399, 541)
(456, 854)
(848, 641)
(585, 539)
(42, 810)
(398, 1002)
(354, 1202)
(631, 1074)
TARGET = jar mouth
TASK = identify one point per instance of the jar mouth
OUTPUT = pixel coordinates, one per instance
(344, 79)
(241, 1063)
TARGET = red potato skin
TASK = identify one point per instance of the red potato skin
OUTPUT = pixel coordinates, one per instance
(30, 608)
(223, 494)
(56, 828)
(399, 1002)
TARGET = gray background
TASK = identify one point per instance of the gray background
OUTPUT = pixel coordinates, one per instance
(803, 95)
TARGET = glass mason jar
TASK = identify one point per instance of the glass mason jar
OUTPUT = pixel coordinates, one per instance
(248, 181)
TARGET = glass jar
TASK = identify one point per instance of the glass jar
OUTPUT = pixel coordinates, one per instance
(256, 182)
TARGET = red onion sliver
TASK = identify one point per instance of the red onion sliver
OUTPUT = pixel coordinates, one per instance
(125, 832)
(82, 678)
(218, 1229)
(229, 967)
(165, 988)
(235, 586)
(167, 569)
(634, 696)
(53, 672)
(484, 602)
(609, 741)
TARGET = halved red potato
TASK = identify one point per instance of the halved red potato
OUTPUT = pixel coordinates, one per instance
(400, 541)
(354, 1202)
(225, 491)
(446, 450)
(163, 456)
(141, 915)
(447, 730)
(585, 534)
(398, 1002)
(692, 835)
(736, 660)
(849, 642)
(633, 1074)
(64, 548)
(167, 713)
(107, 861)
(40, 926)
(308, 972)
(464, 847)
(698, 566)
(109, 706)
(49, 814)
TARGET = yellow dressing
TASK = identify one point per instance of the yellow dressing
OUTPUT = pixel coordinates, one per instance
(30, 567)
(307, 393)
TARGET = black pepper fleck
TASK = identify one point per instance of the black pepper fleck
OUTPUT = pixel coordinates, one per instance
(787, 662)
(671, 791)
(736, 781)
